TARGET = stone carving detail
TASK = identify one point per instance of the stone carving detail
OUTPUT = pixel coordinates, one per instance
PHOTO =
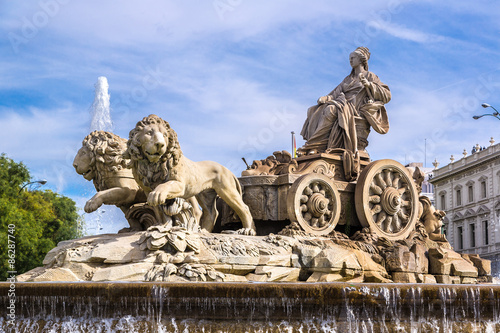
(281, 163)
(164, 173)
(432, 219)
(178, 238)
(190, 272)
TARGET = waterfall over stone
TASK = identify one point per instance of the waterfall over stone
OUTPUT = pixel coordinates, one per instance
(100, 109)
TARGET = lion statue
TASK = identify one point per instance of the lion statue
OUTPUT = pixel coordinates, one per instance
(101, 160)
(164, 173)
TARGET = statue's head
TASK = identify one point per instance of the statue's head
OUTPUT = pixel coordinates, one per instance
(362, 54)
(154, 140)
(100, 156)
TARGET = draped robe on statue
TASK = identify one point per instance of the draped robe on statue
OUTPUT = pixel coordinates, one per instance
(332, 124)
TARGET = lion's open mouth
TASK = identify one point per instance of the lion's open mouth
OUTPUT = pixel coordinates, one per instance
(87, 174)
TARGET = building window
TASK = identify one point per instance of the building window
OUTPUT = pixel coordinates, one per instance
(485, 233)
(443, 202)
(483, 189)
(472, 229)
(471, 193)
(460, 239)
(459, 197)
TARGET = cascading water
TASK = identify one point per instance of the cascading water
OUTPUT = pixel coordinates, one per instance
(100, 109)
(254, 307)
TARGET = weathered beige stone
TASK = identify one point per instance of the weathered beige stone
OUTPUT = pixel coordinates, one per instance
(335, 260)
(234, 278)
(325, 277)
(447, 279)
(256, 277)
(425, 278)
(242, 269)
(224, 268)
(29, 275)
(283, 260)
(56, 274)
(374, 276)
(294, 259)
(468, 280)
(400, 260)
(463, 268)
(421, 261)
(82, 270)
(483, 265)
(368, 264)
(128, 272)
(292, 276)
(205, 256)
(122, 249)
(448, 262)
(277, 273)
(306, 255)
(240, 260)
(403, 277)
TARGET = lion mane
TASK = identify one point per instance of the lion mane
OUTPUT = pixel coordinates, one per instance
(153, 174)
(106, 155)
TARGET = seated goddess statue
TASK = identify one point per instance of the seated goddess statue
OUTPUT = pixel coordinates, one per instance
(342, 119)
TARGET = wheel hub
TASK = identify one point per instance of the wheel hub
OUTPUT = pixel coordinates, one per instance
(390, 200)
(317, 204)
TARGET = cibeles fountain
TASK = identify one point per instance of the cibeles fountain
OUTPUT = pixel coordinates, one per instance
(327, 240)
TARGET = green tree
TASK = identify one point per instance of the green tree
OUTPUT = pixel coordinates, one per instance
(41, 219)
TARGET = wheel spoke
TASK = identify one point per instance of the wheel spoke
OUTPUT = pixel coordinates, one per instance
(395, 181)
(405, 203)
(321, 221)
(402, 190)
(375, 189)
(381, 218)
(396, 223)
(380, 181)
(388, 179)
(403, 216)
(388, 224)
(376, 209)
(374, 199)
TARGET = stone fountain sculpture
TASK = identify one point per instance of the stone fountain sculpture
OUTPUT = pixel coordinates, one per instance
(347, 218)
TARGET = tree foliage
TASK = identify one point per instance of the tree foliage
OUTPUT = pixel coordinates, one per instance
(41, 219)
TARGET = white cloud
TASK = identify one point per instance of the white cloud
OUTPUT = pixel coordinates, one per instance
(402, 32)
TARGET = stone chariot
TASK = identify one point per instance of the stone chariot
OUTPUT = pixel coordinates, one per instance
(320, 192)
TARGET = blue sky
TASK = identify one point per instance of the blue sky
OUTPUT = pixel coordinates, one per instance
(235, 77)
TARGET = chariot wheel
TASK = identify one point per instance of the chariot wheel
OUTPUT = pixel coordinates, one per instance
(386, 199)
(314, 202)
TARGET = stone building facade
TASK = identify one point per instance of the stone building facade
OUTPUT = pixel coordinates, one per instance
(468, 190)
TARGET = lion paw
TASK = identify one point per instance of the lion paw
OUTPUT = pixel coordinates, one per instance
(91, 206)
(246, 231)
